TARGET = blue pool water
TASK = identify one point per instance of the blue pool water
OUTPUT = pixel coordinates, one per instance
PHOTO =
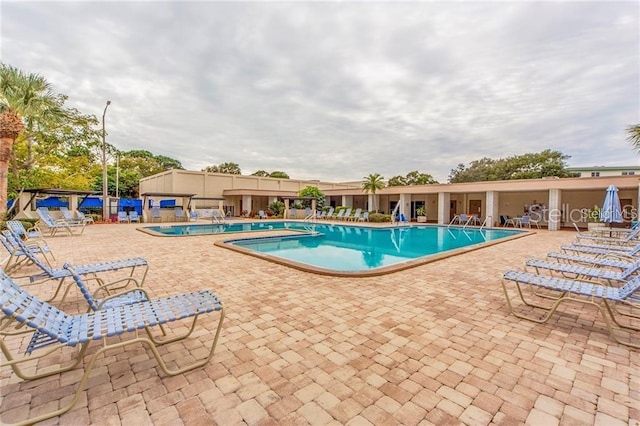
(356, 249)
(205, 229)
(344, 248)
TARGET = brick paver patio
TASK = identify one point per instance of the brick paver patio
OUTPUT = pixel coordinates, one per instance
(429, 345)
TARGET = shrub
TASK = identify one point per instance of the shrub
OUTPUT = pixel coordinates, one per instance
(379, 217)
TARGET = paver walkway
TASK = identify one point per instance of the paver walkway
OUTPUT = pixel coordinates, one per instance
(429, 345)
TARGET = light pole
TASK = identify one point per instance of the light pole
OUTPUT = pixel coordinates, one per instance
(105, 207)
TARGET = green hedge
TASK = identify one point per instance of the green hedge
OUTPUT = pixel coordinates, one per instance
(379, 217)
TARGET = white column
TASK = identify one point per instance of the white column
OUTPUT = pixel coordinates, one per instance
(444, 200)
(246, 203)
(492, 208)
(347, 200)
(555, 216)
(374, 202)
(405, 205)
(272, 199)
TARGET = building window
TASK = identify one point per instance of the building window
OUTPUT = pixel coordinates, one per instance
(595, 174)
(628, 173)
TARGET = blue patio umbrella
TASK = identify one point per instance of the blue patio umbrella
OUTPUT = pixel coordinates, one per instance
(611, 210)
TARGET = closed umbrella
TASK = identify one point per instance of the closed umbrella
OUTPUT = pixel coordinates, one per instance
(611, 211)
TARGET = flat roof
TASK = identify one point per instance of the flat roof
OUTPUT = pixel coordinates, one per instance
(165, 194)
(57, 191)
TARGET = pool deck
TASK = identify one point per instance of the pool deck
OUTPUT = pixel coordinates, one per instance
(433, 344)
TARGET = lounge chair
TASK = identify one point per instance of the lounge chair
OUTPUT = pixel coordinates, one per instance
(364, 217)
(340, 215)
(52, 329)
(329, 214)
(585, 272)
(217, 217)
(123, 217)
(321, 215)
(18, 228)
(610, 260)
(602, 249)
(179, 214)
(630, 238)
(68, 216)
(155, 214)
(87, 219)
(53, 225)
(356, 215)
(608, 300)
(347, 214)
(48, 272)
(20, 256)
(134, 216)
(261, 214)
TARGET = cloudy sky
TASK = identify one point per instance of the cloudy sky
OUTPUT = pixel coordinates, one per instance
(338, 90)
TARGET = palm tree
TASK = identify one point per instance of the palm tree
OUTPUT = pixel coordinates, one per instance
(23, 98)
(633, 136)
(371, 184)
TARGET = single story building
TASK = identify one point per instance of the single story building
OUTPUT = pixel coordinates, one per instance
(558, 202)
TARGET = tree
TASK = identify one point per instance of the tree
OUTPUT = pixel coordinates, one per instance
(24, 98)
(633, 136)
(412, 178)
(261, 173)
(279, 174)
(312, 191)
(527, 166)
(397, 181)
(371, 184)
(133, 166)
(228, 168)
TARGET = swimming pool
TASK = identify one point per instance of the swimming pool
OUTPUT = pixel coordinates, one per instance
(345, 250)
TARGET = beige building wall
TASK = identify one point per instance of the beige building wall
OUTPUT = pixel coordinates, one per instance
(509, 198)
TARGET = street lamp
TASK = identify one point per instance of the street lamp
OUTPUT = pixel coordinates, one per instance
(105, 208)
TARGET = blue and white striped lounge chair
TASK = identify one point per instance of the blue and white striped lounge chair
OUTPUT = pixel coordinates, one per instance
(179, 215)
(86, 219)
(53, 225)
(123, 217)
(630, 238)
(329, 214)
(68, 216)
(585, 272)
(321, 215)
(52, 329)
(134, 216)
(18, 228)
(60, 274)
(155, 214)
(609, 261)
(611, 302)
(356, 215)
(599, 249)
(20, 255)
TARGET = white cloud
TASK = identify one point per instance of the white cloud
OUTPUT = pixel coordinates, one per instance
(336, 91)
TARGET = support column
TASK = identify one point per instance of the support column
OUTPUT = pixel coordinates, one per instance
(285, 214)
(373, 202)
(246, 203)
(555, 214)
(492, 207)
(444, 200)
(405, 205)
(347, 200)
